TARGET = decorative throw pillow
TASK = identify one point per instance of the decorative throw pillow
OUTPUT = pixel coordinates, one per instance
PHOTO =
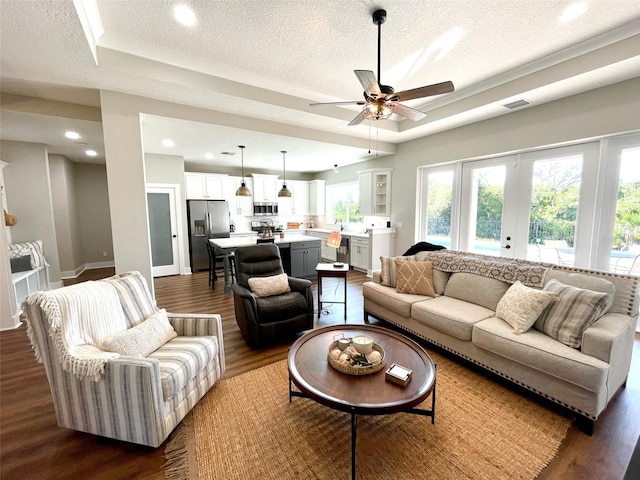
(34, 249)
(388, 269)
(521, 306)
(144, 338)
(268, 286)
(415, 277)
(575, 310)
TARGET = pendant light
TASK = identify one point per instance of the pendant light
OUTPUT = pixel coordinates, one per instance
(243, 191)
(284, 191)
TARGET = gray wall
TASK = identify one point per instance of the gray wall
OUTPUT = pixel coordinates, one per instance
(29, 197)
(65, 214)
(94, 221)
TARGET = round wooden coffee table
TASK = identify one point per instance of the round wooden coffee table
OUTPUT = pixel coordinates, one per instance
(310, 372)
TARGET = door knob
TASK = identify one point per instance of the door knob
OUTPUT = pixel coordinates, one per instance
(507, 246)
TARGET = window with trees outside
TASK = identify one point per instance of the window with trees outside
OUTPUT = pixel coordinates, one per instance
(576, 205)
(343, 203)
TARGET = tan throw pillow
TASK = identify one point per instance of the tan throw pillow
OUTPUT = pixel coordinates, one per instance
(521, 306)
(144, 338)
(388, 269)
(575, 310)
(415, 278)
(268, 286)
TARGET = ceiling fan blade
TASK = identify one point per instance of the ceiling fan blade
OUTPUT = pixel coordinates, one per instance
(368, 80)
(351, 102)
(408, 112)
(428, 91)
(359, 118)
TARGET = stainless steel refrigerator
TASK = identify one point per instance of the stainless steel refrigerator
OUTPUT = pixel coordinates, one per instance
(207, 219)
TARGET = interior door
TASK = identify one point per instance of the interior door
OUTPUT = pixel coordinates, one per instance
(163, 231)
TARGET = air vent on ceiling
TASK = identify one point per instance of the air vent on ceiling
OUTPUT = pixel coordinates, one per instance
(516, 104)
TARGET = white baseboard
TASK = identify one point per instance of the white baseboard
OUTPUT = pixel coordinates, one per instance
(16, 322)
(86, 266)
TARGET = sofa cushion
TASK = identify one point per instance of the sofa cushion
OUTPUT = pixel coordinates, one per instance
(477, 289)
(414, 278)
(580, 280)
(399, 303)
(521, 306)
(541, 352)
(144, 338)
(34, 249)
(269, 286)
(450, 316)
(181, 359)
(388, 269)
(440, 278)
(277, 307)
(575, 310)
(135, 297)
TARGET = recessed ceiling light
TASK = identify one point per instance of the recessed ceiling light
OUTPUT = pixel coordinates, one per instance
(72, 135)
(184, 15)
(572, 12)
(168, 143)
(91, 153)
(208, 156)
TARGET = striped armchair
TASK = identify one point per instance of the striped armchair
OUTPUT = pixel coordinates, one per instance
(131, 396)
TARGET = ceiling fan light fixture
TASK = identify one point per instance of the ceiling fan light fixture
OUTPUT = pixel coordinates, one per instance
(243, 190)
(378, 111)
(284, 191)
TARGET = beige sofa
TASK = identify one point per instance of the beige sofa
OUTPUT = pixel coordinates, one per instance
(461, 319)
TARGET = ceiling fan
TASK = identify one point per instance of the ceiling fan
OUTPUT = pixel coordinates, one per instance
(380, 101)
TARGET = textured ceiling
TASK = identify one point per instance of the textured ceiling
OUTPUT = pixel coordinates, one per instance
(269, 60)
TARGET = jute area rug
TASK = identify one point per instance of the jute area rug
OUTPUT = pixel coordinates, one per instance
(245, 428)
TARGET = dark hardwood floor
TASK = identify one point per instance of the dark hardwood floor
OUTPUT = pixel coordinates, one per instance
(33, 447)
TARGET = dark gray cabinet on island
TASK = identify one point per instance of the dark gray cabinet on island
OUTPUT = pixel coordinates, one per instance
(304, 258)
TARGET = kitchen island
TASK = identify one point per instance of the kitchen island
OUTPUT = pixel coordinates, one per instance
(300, 253)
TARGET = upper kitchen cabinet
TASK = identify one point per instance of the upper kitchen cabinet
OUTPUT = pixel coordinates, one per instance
(375, 192)
(298, 203)
(238, 205)
(203, 186)
(265, 188)
(317, 197)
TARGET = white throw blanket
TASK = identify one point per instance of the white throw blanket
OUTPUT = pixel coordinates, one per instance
(79, 317)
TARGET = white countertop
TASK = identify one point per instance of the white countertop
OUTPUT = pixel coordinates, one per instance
(236, 242)
(348, 233)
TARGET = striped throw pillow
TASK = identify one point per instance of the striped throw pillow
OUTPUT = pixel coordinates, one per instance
(574, 310)
(388, 269)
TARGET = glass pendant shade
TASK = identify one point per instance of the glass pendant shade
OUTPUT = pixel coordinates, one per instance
(284, 191)
(243, 191)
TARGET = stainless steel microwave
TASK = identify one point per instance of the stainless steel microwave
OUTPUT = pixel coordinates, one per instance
(265, 209)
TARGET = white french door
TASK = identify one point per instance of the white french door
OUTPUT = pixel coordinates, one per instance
(163, 230)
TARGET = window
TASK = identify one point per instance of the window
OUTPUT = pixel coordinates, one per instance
(343, 203)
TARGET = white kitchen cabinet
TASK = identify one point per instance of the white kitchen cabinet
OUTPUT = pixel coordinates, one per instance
(238, 205)
(360, 254)
(317, 197)
(375, 192)
(298, 202)
(203, 186)
(265, 188)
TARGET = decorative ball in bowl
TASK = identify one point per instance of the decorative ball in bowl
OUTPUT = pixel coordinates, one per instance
(363, 344)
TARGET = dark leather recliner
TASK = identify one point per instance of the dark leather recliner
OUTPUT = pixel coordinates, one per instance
(266, 320)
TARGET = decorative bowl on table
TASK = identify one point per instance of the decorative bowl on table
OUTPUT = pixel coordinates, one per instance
(353, 362)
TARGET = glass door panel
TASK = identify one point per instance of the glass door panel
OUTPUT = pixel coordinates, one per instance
(554, 204)
(625, 247)
(483, 197)
(439, 186)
